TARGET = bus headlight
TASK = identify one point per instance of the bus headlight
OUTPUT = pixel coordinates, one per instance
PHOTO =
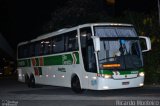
(141, 74)
(104, 76)
(107, 76)
(141, 84)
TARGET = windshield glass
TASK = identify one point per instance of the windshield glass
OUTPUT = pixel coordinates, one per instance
(120, 48)
(103, 31)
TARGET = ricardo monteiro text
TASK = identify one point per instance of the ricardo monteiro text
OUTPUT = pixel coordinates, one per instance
(137, 103)
(125, 103)
(148, 102)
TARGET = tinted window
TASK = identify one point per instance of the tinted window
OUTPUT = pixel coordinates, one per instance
(71, 41)
(56, 44)
(87, 50)
(46, 46)
(38, 50)
(104, 31)
(32, 50)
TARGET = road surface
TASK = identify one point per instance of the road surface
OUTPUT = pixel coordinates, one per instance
(16, 93)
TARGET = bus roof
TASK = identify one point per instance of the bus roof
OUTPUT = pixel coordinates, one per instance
(73, 28)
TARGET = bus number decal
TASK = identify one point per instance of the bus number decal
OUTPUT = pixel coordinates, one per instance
(62, 69)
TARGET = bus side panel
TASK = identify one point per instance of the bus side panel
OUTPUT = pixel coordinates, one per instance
(51, 76)
(22, 71)
(59, 75)
(92, 80)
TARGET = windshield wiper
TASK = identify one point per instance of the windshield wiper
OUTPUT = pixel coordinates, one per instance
(107, 58)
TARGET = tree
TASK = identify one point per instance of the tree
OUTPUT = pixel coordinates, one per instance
(77, 12)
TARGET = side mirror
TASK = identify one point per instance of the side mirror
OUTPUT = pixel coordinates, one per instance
(147, 43)
(96, 41)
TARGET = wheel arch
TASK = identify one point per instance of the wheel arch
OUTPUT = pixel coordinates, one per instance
(32, 75)
(75, 75)
(26, 78)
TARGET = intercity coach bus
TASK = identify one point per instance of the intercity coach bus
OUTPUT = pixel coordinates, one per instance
(97, 56)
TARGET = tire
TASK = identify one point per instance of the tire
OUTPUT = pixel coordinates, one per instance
(27, 80)
(31, 82)
(75, 85)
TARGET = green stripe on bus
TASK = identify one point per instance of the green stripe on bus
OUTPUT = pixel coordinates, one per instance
(24, 63)
(52, 60)
(65, 59)
(40, 70)
(77, 56)
(110, 72)
(37, 61)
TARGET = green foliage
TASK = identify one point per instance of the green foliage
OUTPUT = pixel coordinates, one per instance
(77, 12)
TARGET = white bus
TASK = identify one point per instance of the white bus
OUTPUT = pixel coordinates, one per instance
(98, 56)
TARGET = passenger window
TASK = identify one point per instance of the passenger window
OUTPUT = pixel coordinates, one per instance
(58, 44)
(71, 41)
(32, 50)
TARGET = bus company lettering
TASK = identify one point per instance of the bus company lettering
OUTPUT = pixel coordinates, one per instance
(65, 60)
(62, 69)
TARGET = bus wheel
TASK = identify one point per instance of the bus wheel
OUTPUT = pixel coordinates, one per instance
(27, 80)
(31, 82)
(75, 85)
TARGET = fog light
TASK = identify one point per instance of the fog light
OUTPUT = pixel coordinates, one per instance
(86, 77)
(105, 87)
(141, 84)
(107, 76)
(94, 77)
(141, 74)
(20, 75)
(104, 76)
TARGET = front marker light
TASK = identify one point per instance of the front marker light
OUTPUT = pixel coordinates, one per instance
(141, 74)
(141, 84)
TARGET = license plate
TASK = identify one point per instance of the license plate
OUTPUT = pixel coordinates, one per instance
(125, 83)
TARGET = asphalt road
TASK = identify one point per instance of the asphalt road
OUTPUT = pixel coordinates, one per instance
(14, 93)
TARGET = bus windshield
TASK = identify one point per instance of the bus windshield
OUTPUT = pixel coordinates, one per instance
(120, 51)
